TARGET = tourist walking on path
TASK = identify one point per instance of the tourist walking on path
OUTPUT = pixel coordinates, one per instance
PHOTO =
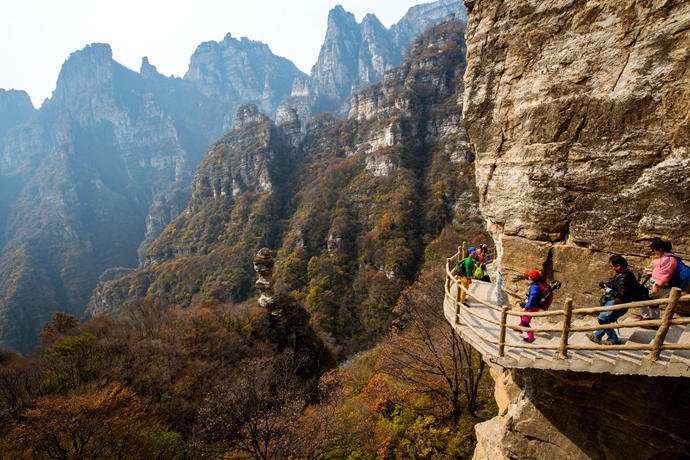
(482, 260)
(465, 269)
(622, 288)
(532, 302)
(658, 284)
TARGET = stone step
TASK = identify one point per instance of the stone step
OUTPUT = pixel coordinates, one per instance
(677, 358)
(583, 355)
(683, 355)
(633, 357)
(528, 360)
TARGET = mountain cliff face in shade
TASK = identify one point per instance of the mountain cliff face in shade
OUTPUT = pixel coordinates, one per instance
(98, 173)
(15, 109)
(92, 178)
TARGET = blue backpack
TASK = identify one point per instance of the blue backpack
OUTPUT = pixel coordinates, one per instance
(681, 277)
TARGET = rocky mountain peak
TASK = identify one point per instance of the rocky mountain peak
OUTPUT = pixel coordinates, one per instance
(93, 66)
(354, 56)
(147, 70)
(248, 114)
(15, 109)
(338, 67)
(421, 17)
(234, 71)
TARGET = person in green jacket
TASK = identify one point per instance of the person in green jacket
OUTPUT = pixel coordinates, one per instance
(465, 269)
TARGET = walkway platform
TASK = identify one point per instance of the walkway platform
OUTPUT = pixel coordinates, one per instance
(544, 353)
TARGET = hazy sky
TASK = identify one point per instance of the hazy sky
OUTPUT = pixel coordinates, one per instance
(37, 36)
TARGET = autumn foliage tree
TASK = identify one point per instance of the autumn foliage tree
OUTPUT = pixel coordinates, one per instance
(425, 350)
(107, 423)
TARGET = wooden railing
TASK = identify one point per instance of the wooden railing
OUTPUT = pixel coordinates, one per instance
(565, 315)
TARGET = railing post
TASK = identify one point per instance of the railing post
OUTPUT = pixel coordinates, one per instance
(665, 324)
(567, 318)
(457, 306)
(457, 301)
(449, 271)
(502, 332)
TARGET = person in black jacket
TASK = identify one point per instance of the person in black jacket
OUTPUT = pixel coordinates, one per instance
(623, 288)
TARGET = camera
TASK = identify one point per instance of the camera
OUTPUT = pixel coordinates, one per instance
(602, 284)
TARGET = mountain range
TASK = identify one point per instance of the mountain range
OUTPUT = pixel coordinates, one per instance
(92, 178)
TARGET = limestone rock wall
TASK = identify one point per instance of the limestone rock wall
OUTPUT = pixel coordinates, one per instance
(579, 114)
(547, 415)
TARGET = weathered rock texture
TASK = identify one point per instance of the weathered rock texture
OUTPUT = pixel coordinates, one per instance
(235, 72)
(15, 109)
(577, 416)
(356, 55)
(579, 114)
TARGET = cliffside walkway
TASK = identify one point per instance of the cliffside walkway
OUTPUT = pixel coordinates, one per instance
(662, 348)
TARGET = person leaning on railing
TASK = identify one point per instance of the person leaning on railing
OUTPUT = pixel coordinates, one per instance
(622, 288)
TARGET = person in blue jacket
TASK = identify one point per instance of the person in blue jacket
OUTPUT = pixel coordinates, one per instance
(532, 303)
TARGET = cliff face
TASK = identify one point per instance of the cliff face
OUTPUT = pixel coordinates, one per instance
(578, 115)
(356, 55)
(578, 112)
(235, 72)
(580, 416)
(15, 109)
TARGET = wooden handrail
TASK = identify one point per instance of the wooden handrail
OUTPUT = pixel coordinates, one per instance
(567, 319)
(655, 347)
(665, 324)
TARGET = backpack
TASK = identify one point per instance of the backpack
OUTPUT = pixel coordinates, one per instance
(460, 269)
(681, 277)
(546, 291)
(641, 292)
(479, 272)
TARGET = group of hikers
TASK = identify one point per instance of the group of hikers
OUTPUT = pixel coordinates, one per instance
(473, 266)
(668, 271)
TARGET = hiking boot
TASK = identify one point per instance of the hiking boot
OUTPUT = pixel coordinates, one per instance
(593, 338)
(525, 339)
(608, 342)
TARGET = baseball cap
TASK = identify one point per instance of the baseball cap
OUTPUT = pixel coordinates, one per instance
(534, 274)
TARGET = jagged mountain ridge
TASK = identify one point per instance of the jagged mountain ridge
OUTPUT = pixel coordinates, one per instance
(106, 163)
(350, 209)
(356, 55)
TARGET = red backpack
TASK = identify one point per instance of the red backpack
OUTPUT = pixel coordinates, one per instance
(546, 291)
